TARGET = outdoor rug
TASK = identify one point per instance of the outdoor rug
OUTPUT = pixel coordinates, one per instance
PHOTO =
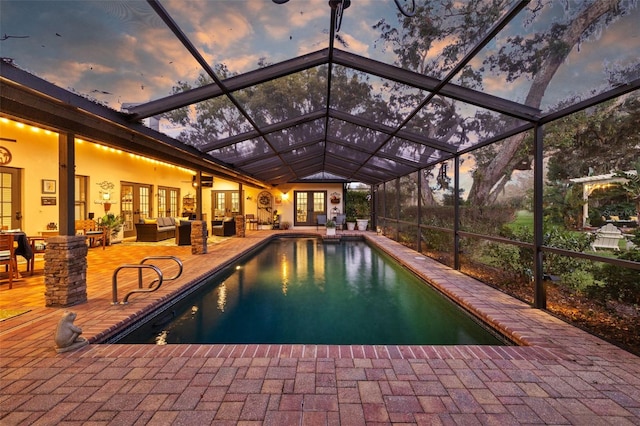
(6, 314)
(170, 242)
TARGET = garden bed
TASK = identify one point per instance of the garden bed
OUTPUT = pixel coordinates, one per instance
(615, 322)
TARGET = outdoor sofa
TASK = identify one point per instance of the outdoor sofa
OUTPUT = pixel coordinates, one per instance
(224, 228)
(152, 230)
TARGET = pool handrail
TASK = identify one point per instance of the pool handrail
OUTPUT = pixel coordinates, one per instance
(153, 286)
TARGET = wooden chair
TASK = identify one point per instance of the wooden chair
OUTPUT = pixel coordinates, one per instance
(8, 256)
(38, 246)
(89, 228)
(252, 222)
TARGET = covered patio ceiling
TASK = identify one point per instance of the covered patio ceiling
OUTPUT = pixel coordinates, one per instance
(275, 92)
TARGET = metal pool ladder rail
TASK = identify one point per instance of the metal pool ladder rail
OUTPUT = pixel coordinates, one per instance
(153, 286)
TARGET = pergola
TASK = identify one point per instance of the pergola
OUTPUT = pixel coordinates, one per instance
(591, 183)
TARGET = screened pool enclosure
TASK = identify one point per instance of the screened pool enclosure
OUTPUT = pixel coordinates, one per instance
(462, 117)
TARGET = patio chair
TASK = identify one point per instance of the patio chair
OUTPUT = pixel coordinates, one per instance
(252, 222)
(321, 219)
(340, 221)
(8, 256)
(89, 228)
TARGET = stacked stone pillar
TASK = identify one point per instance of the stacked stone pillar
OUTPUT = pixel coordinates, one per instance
(199, 235)
(65, 271)
(240, 231)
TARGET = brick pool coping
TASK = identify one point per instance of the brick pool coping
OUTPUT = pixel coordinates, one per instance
(560, 375)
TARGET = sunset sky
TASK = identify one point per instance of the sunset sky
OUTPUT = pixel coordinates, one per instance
(122, 52)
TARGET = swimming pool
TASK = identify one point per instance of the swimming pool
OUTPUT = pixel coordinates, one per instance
(301, 290)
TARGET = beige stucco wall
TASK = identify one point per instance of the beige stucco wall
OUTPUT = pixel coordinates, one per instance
(35, 153)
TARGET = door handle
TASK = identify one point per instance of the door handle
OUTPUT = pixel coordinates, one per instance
(18, 215)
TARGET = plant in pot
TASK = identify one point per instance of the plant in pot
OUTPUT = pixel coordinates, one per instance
(331, 227)
(264, 225)
(113, 225)
(351, 223)
(285, 225)
(362, 224)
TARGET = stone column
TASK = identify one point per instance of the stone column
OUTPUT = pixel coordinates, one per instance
(240, 231)
(199, 236)
(65, 271)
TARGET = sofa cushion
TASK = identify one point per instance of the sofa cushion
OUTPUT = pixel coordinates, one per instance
(164, 221)
(150, 221)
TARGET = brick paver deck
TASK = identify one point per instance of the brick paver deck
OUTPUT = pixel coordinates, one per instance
(559, 374)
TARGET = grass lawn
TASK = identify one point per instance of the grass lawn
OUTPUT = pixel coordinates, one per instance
(524, 219)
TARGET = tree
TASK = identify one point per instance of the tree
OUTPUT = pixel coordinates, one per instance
(537, 58)
(597, 138)
(632, 185)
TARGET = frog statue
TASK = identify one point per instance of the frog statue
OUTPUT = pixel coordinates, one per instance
(67, 337)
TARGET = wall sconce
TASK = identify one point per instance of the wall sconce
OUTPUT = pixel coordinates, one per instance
(106, 196)
(249, 197)
(285, 195)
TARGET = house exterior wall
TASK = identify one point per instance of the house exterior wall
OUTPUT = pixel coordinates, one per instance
(34, 152)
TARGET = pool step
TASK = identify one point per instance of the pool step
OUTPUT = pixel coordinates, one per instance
(331, 238)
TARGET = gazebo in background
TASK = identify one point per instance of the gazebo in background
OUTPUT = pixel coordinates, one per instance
(591, 183)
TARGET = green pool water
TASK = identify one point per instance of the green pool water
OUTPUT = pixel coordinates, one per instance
(307, 292)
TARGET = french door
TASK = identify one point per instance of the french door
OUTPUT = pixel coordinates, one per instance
(168, 201)
(308, 205)
(225, 204)
(135, 204)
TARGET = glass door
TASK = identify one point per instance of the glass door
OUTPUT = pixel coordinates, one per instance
(225, 204)
(308, 205)
(126, 210)
(135, 204)
(168, 201)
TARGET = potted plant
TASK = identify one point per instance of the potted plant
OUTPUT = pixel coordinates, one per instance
(362, 224)
(351, 223)
(264, 225)
(285, 225)
(113, 225)
(331, 227)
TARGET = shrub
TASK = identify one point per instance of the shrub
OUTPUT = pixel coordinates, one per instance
(485, 219)
(621, 284)
(580, 280)
(514, 260)
(568, 240)
(595, 218)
